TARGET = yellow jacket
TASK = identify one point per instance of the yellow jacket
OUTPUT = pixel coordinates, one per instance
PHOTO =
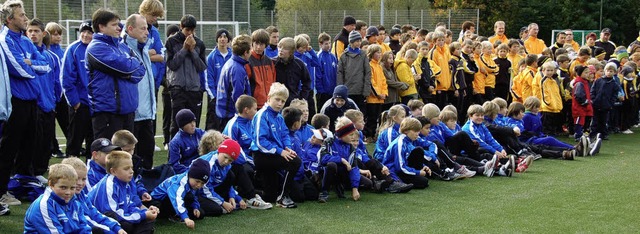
(575, 46)
(534, 45)
(525, 82)
(516, 88)
(441, 57)
(551, 100)
(514, 59)
(536, 90)
(405, 75)
(338, 48)
(417, 65)
(378, 83)
(492, 70)
(502, 38)
(479, 77)
(385, 47)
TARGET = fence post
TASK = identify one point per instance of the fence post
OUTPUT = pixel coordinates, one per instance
(59, 10)
(295, 23)
(82, 5)
(217, 10)
(421, 18)
(183, 8)
(104, 3)
(35, 15)
(319, 22)
(272, 17)
(396, 21)
(233, 10)
(249, 15)
(477, 19)
(126, 7)
(381, 12)
(370, 18)
(449, 24)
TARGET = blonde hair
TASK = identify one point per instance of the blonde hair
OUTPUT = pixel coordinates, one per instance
(475, 109)
(531, 102)
(486, 45)
(54, 28)
(451, 108)
(123, 138)
(411, 53)
(342, 121)
(210, 141)
(430, 110)
(301, 41)
(447, 115)
(287, 43)
(490, 109)
(500, 102)
(298, 103)
(437, 35)
(61, 171)
(76, 163)
(152, 7)
(415, 104)
(353, 115)
(386, 118)
(115, 158)
(373, 49)
(549, 65)
(278, 89)
(410, 124)
(454, 46)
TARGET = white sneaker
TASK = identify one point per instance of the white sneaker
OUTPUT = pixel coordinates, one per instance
(628, 131)
(42, 179)
(489, 167)
(156, 148)
(258, 204)
(466, 173)
(166, 147)
(9, 199)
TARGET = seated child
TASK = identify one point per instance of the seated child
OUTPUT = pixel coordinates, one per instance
(99, 223)
(97, 164)
(239, 129)
(57, 210)
(501, 119)
(176, 195)
(272, 148)
(532, 131)
(373, 169)
(336, 106)
(116, 196)
(405, 161)
(416, 107)
(304, 133)
(338, 159)
(388, 130)
(302, 188)
(478, 132)
(183, 148)
(127, 142)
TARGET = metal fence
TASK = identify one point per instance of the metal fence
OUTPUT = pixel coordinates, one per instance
(289, 23)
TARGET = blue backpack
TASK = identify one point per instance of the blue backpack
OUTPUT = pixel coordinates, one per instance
(27, 188)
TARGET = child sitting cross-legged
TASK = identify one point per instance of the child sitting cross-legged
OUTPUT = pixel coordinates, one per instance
(405, 161)
(177, 195)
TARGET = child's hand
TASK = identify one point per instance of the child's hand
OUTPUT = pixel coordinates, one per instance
(385, 170)
(456, 93)
(190, 224)
(243, 205)
(233, 202)
(427, 170)
(146, 197)
(365, 173)
(437, 163)
(122, 231)
(151, 214)
(227, 206)
(346, 164)
(196, 213)
(355, 194)
(154, 208)
(287, 155)
(516, 130)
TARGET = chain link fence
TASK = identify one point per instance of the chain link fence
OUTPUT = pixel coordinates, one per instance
(70, 13)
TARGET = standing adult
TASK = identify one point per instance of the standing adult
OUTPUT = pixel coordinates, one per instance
(605, 43)
(114, 75)
(136, 37)
(569, 40)
(532, 44)
(24, 64)
(498, 30)
(75, 81)
(186, 59)
(341, 41)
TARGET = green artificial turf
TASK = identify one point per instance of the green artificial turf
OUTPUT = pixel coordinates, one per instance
(594, 194)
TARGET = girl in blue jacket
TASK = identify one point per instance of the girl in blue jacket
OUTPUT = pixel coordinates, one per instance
(388, 130)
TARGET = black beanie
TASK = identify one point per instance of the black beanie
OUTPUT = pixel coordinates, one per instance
(341, 91)
(348, 20)
(184, 116)
(579, 70)
(199, 169)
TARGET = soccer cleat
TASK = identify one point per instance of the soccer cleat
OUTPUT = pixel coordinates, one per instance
(4, 210)
(399, 187)
(584, 141)
(579, 149)
(466, 173)
(511, 165)
(524, 164)
(9, 199)
(568, 154)
(156, 148)
(286, 202)
(258, 204)
(323, 197)
(166, 147)
(595, 147)
(489, 167)
(628, 131)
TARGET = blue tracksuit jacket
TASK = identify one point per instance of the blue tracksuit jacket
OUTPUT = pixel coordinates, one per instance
(271, 135)
(23, 78)
(234, 81)
(115, 195)
(74, 76)
(384, 140)
(51, 214)
(95, 218)
(480, 133)
(218, 174)
(239, 129)
(328, 70)
(335, 151)
(215, 61)
(183, 149)
(395, 158)
(176, 188)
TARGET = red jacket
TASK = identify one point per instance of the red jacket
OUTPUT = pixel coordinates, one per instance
(581, 103)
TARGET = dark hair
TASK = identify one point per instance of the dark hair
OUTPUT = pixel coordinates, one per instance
(424, 120)
(244, 101)
(380, 27)
(188, 21)
(171, 29)
(36, 22)
(320, 120)
(291, 116)
(102, 17)
(515, 108)
(260, 36)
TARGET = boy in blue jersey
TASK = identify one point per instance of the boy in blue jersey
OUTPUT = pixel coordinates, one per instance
(233, 80)
(99, 150)
(62, 109)
(339, 159)
(304, 133)
(57, 210)
(176, 196)
(405, 161)
(116, 196)
(99, 223)
(127, 143)
(215, 60)
(272, 148)
(328, 71)
(183, 148)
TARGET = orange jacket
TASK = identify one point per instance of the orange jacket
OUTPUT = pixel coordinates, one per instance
(441, 56)
(378, 83)
(534, 45)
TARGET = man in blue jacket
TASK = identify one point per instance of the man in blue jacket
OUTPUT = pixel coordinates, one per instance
(136, 38)
(234, 80)
(75, 80)
(24, 65)
(114, 74)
